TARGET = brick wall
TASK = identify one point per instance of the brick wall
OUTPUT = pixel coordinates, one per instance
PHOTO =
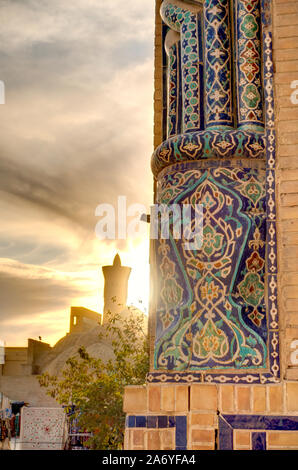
(285, 53)
(202, 404)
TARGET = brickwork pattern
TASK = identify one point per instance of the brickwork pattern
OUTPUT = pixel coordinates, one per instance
(285, 54)
(202, 405)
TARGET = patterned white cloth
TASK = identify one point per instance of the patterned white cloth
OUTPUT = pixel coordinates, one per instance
(42, 429)
(5, 407)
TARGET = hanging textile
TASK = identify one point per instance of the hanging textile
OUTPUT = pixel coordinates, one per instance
(16, 407)
(42, 429)
(5, 407)
(9, 421)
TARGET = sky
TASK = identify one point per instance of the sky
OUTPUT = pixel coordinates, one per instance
(76, 132)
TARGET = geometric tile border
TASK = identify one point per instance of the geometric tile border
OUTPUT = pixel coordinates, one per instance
(162, 422)
(257, 424)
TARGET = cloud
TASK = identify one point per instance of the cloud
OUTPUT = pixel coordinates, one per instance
(32, 290)
(65, 40)
(86, 153)
(76, 132)
(76, 21)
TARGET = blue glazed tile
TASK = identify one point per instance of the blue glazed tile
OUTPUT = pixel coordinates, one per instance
(151, 421)
(172, 421)
(181, 431)
(140, 421)
(245, 421)
(162, 421)
(131, 421)
(205, 141)
(281, 423)
(266, 13)
(247, 228)
(253, 422)
(258, 440)
(270, 423)
(164, 33)
(225, 435)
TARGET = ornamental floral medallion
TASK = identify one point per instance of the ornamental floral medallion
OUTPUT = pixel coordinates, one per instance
(211, 305)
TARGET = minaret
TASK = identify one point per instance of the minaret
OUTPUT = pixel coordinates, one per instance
(116, 284)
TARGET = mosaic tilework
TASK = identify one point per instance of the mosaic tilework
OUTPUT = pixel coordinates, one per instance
(162, 422)
(271, 255)
(190, 27)
(248, 60)
(210, 76)
(174, 90)
(217, 321)
(258, 427)
(218, 82)
(209, 144)
(178, 357)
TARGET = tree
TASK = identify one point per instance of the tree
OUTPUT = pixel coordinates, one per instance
(96, 388)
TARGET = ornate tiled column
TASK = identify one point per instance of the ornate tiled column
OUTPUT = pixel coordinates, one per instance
(218, 70)
(189, 24)
(218, 375)
(174, 105)
(248, 64)
(211, 320)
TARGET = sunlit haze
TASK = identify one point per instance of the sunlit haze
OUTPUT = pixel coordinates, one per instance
(76, 132)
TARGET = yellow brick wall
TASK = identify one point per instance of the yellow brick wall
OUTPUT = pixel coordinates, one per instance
(161, 439)
(202, 403)
(285, 55)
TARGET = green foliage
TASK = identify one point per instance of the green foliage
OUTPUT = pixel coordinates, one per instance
(96, 388)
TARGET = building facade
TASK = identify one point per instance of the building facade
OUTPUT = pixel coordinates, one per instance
(20, 366)
(224, 316)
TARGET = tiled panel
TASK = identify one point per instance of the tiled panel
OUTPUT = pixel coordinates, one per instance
(285, 51)
(162, 422)
(246, 315)
(258, 440)
(260, 426)
(181, 432)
